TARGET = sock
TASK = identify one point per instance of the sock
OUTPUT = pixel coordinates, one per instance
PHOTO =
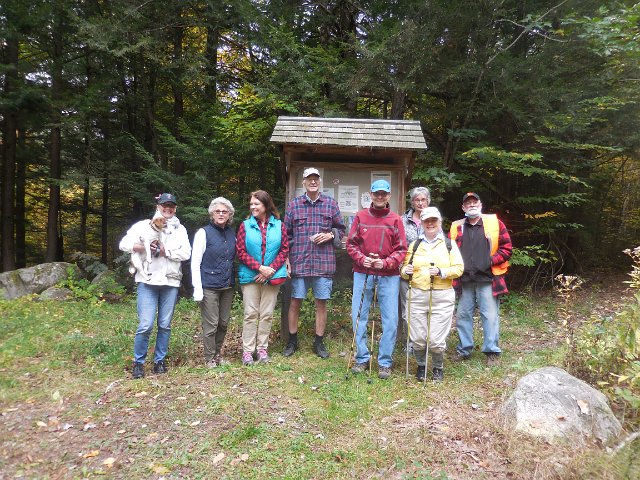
(293, 338)
(319, 338)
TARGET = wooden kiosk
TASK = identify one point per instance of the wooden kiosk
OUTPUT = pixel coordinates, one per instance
(350, 154)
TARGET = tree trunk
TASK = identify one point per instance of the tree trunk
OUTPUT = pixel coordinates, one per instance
(84, 213)
(20, 210)
(104, 233)
(211, 56)
(9, 159)
(178, 97)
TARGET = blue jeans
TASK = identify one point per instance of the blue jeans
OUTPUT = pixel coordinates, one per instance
(387, 299)
(152, 299)
(482, 294)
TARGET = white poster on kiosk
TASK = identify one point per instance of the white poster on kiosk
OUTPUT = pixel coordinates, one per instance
(348, 198)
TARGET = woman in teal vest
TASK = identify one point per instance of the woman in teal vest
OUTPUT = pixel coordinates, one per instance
(262, 247)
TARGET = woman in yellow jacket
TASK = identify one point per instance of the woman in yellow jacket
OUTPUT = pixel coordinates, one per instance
(431, 268)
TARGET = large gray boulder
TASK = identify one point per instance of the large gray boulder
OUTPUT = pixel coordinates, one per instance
(555, 406)
(37, 279)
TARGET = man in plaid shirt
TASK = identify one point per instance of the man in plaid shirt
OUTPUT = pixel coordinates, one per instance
(312, 221)
(485, 246)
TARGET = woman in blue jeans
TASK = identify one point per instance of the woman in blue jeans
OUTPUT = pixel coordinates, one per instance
(158, 287)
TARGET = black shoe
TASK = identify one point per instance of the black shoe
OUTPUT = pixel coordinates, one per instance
(160, 367)
(493, 359)
(138, 370)
(290, 349)
(320, 350)
(438, 375)
(420, 373)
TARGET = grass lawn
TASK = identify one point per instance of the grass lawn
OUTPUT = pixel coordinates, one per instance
(71, 410)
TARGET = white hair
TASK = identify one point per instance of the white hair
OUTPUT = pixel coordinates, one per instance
(226, 203)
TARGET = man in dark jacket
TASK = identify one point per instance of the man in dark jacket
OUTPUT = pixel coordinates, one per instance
(377, 245)
(485, 246)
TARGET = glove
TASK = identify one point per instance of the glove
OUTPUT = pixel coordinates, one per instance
(198, 294)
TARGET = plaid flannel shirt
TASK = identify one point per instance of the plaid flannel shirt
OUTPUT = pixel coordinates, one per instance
(303, 219)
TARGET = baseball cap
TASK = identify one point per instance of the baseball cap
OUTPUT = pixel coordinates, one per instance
(167, 198)
(381, 185)
(310, 171)
(430, 212)
(471, 194)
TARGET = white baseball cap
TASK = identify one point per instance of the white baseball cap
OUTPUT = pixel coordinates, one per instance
(310, 171)
(430, 212)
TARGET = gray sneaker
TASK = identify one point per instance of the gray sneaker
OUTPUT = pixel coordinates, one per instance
(360, 367)
(384, 372)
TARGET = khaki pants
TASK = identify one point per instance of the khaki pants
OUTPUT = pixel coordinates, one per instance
(259, 301)
(215, 309)
(442, 305)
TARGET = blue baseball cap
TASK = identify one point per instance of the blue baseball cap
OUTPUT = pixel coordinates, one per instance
(379, 185)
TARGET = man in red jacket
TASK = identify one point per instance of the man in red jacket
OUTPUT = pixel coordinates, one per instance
(377, 246)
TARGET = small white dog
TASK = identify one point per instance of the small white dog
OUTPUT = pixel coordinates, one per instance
(140, 263)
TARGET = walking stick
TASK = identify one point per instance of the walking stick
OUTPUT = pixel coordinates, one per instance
(353, 340)
(413, 252)
(373, 322)
(426, 355)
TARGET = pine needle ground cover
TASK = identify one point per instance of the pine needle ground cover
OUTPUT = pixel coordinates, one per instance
(71, 410)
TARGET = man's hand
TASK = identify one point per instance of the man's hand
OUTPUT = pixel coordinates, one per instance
(322, 238)
(376, 261)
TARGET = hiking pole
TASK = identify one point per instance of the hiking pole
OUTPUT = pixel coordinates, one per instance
(353, 340)
(373, 323)
(426, 355)
(413, 252)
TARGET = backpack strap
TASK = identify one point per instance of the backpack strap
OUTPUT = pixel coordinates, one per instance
(416, 244)
(447, 242)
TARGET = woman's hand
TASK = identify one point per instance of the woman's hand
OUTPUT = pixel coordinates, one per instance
(408, 270)
(266, 272)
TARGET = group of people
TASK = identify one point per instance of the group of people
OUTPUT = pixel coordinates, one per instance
(405, 265)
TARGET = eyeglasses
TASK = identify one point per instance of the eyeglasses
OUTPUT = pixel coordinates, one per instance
(380, 193)
(221, 212)
(313, 180)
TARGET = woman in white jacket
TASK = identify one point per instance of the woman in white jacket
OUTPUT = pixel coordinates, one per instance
(157, 288)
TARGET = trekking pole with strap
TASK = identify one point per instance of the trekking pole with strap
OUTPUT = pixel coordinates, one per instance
(426, 355)
(355, 331)
(373, 323)
(416, 244)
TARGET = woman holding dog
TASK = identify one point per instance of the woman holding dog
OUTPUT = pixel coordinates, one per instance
(262, 247)
(431, 264)
(158, 287)
(212, 276)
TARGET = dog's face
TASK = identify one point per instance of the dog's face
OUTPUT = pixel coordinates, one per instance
(158, 223)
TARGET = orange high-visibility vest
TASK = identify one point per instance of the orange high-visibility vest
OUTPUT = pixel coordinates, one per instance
(492, 232)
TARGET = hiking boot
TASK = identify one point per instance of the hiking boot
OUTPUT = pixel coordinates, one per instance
(384, 372)
(462, 357)
(138, 370)
(290, 349)
(438, 375)
(360, 367)
(319, 349)
(247, 359)
(160, 367)
(263, 357)
(493, 359)
(420, 373)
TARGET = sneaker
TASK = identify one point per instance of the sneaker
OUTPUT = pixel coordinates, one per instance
(160, 367)
(420, 373)
(438, 375)
(212, 364)
(384, 372)
(360, 367)
(320, 350)
(290, 349)
(138, 370)
(247, 359)
(493, 359)
(263, 357)
(219, 360)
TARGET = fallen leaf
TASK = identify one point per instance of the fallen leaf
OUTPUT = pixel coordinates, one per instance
(40, 423)
(196, 423)
(584, 407)
(88, 426)
(181, 398)
(106, 423)
(159, 469)
(177, 422)
(218, 458)
(244, 457)
(562, 418)
(92, 453)
(301, 379)
(120, 432)
(109, 462)
(56, 397)
(141, 394)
